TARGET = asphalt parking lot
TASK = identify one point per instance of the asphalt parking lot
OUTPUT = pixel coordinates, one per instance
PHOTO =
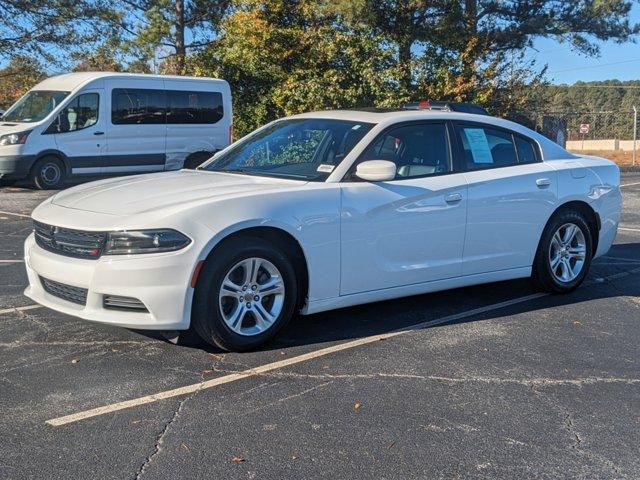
(493, 381)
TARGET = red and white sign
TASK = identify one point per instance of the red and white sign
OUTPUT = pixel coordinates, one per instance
(584, 128)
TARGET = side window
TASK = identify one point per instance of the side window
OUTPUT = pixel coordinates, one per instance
(194, 107)
(526, 150)
(137, 106)
(80, 113)
(417, 150)
(486, 147)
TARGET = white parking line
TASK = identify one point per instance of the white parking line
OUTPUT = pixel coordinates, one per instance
(621, 258)
(627, 229)
(156, 397)
(19, 309)
(15, 214)
(114, 407)
(629, 184)
(11, 261)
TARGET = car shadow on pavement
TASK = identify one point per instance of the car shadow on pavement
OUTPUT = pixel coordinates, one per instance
(382, 317)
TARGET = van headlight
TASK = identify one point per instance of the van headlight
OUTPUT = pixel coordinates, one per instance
(145, 241)
(14, 138)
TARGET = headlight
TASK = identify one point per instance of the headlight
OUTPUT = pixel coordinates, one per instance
(145, 241)
(14, 138)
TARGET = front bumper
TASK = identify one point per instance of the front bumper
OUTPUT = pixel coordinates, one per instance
(160, 281)
(15, 166)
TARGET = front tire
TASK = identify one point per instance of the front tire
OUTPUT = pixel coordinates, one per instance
(48, 173)
(564, 253)
(246, 292)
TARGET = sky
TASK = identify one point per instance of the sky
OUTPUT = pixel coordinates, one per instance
(616, 61)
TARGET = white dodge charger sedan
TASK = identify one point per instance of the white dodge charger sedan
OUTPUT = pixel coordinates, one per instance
(321, 211)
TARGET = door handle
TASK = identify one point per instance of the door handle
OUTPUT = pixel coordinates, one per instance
(98, 133)
(453, 198)
(543, 182)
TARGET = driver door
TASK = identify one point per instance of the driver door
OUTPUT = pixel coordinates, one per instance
(409, 230)
(79, 132)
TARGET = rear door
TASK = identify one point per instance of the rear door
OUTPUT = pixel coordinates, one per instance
(511, 194)
(137, 126)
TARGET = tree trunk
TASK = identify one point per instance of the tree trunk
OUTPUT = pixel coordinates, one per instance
(181, 51)
(404, 63)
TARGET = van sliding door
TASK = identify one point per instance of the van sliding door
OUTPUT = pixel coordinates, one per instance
(137, 126)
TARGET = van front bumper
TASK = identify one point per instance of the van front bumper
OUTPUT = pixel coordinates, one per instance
(161, 282)
(15, 166)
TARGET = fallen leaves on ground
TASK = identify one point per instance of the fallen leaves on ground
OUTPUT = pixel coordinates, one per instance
(237, 459)
(357, 405)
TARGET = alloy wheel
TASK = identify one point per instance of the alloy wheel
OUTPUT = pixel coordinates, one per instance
(251, 296)
(567, 253)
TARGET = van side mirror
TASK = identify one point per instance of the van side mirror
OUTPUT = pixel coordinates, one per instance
(376, 170)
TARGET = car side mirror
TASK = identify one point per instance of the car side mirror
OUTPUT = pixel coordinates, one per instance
(376, 170)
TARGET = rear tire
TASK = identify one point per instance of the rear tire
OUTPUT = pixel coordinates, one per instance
(256, 301)
(196, 159)
(48, 173)
(564, 254)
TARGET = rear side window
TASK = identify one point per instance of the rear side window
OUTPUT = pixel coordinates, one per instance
(194, 107)
(486, 147)
(526, 150)
(136, 106)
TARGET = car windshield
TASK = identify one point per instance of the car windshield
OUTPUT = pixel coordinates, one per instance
(308, 149)
(34, 106)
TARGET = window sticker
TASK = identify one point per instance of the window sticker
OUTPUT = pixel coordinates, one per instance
(479, 145)
(323, 167)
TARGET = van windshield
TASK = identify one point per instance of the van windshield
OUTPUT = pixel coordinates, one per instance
(34, 106)
(307, 149)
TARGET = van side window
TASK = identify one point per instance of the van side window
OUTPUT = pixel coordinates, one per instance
(80, 113)
(486, 147)
(137, 106)
(194, 107)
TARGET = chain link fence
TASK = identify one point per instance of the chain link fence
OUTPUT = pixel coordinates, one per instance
(593, 131)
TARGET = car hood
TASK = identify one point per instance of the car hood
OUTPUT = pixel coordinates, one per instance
(156, 191)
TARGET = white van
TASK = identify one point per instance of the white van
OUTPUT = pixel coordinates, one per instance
(110, 123)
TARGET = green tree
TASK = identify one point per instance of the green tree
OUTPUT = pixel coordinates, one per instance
(20, 75)
(175, 27)
(42, 28)
(284, 57)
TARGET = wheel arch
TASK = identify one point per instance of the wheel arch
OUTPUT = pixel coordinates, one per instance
(53, 153)
(276, 234)
(593, 218)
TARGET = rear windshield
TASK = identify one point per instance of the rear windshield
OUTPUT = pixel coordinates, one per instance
(34, 106)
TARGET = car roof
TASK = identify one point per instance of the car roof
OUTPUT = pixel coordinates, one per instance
(384, 118)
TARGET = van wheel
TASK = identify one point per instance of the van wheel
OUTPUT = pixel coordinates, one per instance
(564, 254)
(48, 173)
(196, 159)
(246, 293)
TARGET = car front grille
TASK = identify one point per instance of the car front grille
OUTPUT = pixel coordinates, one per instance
(68, 242)
(66, 292)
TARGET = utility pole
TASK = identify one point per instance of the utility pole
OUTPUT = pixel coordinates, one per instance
(635, 134)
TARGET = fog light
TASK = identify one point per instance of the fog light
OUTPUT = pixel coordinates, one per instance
(116, 302)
